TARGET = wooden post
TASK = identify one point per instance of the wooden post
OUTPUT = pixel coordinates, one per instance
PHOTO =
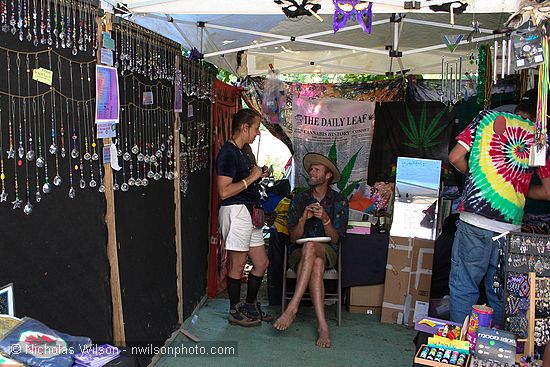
(177, 208)
(119, 337)
(530, 349)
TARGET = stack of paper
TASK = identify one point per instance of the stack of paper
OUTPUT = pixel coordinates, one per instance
(96, 356)
(356, 227)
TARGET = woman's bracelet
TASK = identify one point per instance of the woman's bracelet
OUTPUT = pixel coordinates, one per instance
(245, 184)
(327, 222)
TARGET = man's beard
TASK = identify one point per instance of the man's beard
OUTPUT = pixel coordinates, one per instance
(315, 183)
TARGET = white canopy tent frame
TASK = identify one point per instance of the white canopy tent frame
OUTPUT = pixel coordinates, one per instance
(307, 38)
(262, 45)
(269, 7)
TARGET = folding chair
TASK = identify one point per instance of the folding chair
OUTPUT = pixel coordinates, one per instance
(329, 274)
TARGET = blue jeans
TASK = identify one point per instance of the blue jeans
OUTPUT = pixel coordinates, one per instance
(474, 257)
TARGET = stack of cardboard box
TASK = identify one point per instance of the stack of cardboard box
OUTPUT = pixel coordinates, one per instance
(366, 299)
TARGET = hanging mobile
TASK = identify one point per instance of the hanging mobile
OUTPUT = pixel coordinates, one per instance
(74, 137)
(72, 191)
(42, 24)
(61, 34)
(47, 187)
(28, 207)
(11, 152)
(31, 154)
(135, 147)
(131, 126)
(53, 146)
(62, 127)
(17, 202)
(49, 41)
(124, 187)
(87, 154)
(144, 180)
(4, 16)
(82, 182)
(95, 156)
(75, 42)
(20, 150)
(37, 194)
(3, 194)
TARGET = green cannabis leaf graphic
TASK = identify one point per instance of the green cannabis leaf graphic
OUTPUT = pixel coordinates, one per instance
(422, 136)
(345, 188)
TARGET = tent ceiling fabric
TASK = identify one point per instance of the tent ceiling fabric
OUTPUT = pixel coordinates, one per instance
(268, 36)
(261, 7)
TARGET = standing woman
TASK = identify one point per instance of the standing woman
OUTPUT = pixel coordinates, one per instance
(238, 177)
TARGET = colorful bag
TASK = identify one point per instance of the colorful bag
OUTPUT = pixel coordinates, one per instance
(258, 216)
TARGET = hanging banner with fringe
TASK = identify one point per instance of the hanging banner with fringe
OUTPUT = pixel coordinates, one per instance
(340, 129)
(412, 129)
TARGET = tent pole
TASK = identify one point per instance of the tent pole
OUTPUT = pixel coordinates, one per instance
(245, 48)
(435, 47)
(445, 25)
(216, 48)
(119, 337)
(178, 28)
(177, 210)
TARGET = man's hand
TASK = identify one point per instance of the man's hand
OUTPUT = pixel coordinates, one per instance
(317, 211)
(308, 212)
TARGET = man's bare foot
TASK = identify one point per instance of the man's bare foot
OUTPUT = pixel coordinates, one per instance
(324, 339)
(285, 320)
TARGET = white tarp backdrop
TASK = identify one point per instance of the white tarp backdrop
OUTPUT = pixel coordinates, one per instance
(335, 127)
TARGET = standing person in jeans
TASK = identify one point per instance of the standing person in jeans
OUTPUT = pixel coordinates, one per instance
(498, 176)
(237, 178)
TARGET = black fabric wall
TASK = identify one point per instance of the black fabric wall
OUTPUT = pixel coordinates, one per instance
(57, 260)
(147, 261)
(195, 222)
(55, 257)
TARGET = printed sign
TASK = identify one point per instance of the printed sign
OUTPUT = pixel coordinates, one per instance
(43, 76)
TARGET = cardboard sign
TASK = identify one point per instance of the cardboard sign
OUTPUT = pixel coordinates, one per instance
(106, 153)
(528, 49)
(43, 76)
(106, 56)
(106, 130)
(497, 345)
(147, 98)
(108, 42)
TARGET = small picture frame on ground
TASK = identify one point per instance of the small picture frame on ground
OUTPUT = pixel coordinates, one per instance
(7, 304)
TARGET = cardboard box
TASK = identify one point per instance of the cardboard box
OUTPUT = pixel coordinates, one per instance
(427, 362)
(370, 295)
(408, 280)
(368, 310)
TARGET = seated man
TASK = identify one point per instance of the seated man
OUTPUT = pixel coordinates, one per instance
(319, 211)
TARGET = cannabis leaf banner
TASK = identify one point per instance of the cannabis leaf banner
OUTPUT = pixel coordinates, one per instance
(340, 129)
(411, 129)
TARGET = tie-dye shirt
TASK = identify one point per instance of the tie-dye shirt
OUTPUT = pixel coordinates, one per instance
(499, 171)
